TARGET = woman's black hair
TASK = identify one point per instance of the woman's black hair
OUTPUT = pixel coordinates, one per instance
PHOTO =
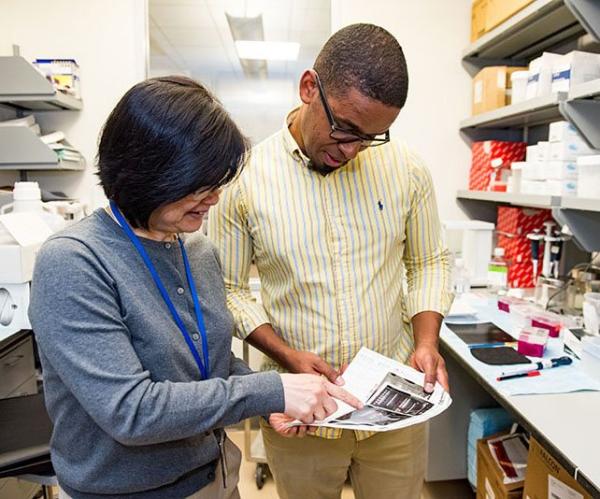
(167, 138)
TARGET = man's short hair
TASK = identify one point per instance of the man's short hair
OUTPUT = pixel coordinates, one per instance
(166, 138)
(365, 57)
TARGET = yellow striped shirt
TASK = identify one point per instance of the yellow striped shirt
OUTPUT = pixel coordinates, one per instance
(332, 251)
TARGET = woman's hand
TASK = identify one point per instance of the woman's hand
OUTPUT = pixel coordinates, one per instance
(309, 397)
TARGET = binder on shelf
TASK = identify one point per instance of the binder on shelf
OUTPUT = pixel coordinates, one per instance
(22, 149)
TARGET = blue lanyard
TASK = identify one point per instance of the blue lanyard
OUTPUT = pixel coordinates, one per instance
(203, 366)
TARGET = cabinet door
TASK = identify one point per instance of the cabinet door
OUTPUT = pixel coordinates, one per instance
(16, 367)
(13, 488)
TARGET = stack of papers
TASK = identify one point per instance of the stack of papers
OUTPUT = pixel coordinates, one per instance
(27, 121)
(64, 151)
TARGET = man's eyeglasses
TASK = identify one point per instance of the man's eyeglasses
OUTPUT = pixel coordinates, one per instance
(345, 136)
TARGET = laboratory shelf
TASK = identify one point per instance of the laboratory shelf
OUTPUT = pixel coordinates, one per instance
(527, 200)
(23, 87)
(588, 90)
(585, 204)
(583, 111)
(537, 27)
(532, 112)
(22, 149)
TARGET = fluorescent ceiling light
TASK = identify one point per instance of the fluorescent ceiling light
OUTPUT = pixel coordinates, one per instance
(270, 51)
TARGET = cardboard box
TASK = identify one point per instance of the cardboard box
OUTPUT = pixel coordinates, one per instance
(478, 19)
(498, 11)
(491, 160)
(491, 86)
(560, 170)
(487, 14)
(539, 82)
(562, 131)
(512, 226)
(569, 150)
(490, 477)
(546, 477)
(574, 68)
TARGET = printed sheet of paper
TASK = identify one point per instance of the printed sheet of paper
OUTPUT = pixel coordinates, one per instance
(392, 393)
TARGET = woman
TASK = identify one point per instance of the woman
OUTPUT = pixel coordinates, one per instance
(133, 331)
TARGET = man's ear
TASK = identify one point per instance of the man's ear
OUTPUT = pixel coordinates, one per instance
(308, 89)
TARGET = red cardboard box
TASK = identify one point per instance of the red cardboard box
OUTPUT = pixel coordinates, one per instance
(513, 225)
(514, 221)
(491, 159)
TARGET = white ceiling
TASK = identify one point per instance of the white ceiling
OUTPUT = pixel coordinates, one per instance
(193, 36)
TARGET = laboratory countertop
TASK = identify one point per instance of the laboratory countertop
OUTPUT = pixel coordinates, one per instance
(565, 423)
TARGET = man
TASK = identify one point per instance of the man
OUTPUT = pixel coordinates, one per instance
(336, 217)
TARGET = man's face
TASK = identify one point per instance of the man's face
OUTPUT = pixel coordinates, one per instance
(352, 111)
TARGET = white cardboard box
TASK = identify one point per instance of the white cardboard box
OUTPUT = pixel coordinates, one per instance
(560, 170)
(574, 68)
(561, 187)
(589, 177)
(562, 131)
(569, 150)
(539, 82)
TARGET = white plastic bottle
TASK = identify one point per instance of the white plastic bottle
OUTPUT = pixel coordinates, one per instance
(498, 273)
(461, 281)
(27, 197)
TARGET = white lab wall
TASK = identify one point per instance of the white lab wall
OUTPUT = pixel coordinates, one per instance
(433, 34)
(108, 38)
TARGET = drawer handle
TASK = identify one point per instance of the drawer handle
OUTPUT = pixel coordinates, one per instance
(14, 360)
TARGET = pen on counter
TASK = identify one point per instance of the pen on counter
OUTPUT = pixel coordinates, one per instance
(528, 374)
(537, 366)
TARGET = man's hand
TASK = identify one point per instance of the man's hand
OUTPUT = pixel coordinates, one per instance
(427, 359)
(310, 363)
(279, 422)
(266, 339)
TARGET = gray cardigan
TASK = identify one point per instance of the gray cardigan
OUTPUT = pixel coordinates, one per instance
(131, 416)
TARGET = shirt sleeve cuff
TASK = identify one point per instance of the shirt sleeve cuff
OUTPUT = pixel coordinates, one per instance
(418, 302)
(249, 319)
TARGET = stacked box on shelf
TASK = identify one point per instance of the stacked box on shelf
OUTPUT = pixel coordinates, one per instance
(551, 166)
(490, 163)
(483, 423)
(513, 226)
(492, 88)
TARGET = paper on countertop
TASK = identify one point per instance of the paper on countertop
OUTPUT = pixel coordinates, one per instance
(563, 379)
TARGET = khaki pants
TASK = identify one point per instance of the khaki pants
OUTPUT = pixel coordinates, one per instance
(387, 465)
(215, 489)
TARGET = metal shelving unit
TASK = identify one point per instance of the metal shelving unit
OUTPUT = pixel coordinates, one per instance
(528, 200)
(24, 88)
(583, 111)
(573, 203)
(532, 112)
(22, 149)
(538, 27)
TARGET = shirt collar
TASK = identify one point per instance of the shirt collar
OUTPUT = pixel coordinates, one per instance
(290, 144)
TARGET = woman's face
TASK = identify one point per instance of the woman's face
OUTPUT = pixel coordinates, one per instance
(184, 215)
